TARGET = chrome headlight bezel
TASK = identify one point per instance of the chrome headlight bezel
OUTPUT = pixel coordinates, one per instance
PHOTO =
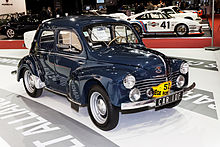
(134, 95)
(180, 81)
(129, 81)
(184, 68)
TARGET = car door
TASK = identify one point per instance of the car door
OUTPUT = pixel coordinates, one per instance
(68, 60)
(158, 23)
(45, 54)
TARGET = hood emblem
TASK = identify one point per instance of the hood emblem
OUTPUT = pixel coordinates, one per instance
(158, 69)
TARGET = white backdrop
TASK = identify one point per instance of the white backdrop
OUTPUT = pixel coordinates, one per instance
(12, 6)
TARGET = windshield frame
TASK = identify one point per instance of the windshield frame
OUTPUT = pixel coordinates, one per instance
(111, 24)
(177, 9)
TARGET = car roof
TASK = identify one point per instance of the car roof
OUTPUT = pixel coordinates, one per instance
(169, 7)
(76, 21)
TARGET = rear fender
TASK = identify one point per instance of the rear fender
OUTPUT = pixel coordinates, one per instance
(29, 62)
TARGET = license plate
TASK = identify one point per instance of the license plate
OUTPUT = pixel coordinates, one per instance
(169, 99)
(162, 89)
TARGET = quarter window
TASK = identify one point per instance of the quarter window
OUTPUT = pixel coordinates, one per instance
(47, 40)
(68, 41)
(156, 16)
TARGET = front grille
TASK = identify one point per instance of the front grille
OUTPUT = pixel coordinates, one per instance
(143, 85)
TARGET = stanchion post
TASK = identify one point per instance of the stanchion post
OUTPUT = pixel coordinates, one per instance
(212, 48)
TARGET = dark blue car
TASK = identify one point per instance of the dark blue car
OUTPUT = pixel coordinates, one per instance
(101, 63)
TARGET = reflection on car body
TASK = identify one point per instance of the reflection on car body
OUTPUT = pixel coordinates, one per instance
(20, 25)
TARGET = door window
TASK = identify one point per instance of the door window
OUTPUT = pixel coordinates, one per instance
(68, 41)
(47, 40)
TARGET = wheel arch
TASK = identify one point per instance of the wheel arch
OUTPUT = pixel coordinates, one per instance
(29, 63)
(88, 85)
(180, 24)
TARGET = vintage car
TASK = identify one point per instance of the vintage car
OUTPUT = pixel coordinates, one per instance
(177, 12)
(101, 63)
(16, 27)
(156, 22)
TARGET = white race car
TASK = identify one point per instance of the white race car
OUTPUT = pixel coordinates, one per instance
(115, 15)
(177, 12)
(157, 22)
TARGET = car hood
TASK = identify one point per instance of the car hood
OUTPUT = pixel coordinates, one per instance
(133, 55)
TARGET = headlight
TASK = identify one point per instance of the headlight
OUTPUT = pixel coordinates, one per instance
(180, 81)
(134, 95)
(129, 81)
(184, 68)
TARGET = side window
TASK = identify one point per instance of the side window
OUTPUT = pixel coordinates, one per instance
(156, 16)
(124, 35)
(47, 40)
(144, 17)
(68, 41)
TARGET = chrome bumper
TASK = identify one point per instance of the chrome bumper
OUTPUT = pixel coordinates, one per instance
(148, 103)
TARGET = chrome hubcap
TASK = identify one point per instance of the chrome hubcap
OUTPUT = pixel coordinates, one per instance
(98, 107)
(10, 33)
(29, 81)
(181, 29)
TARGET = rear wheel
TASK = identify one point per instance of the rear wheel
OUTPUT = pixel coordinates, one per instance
(10, 33)
(103, 114)
(181, 30)
(29, 84)
(137, 28)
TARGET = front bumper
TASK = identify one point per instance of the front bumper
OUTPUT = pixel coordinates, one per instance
(151, 103)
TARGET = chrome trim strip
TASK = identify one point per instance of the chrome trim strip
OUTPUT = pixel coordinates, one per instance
(52, 53)
(136, 105)
(165, 66)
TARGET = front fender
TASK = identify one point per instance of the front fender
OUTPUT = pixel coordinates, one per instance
(110, 78)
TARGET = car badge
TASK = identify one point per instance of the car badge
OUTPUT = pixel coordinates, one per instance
(158, 69)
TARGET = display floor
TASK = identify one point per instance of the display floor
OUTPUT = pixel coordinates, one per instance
(50, 121)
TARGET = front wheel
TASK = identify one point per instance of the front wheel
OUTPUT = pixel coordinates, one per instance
(29, 84)
(181, 30)
(103, 114)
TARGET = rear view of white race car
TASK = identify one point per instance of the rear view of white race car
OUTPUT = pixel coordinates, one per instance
(149, 22)
(178, 13)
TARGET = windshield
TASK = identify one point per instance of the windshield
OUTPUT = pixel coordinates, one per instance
(106, 35)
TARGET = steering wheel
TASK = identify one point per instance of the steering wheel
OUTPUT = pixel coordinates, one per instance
(121, 37)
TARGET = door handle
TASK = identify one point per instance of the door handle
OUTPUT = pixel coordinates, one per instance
(81, 62)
